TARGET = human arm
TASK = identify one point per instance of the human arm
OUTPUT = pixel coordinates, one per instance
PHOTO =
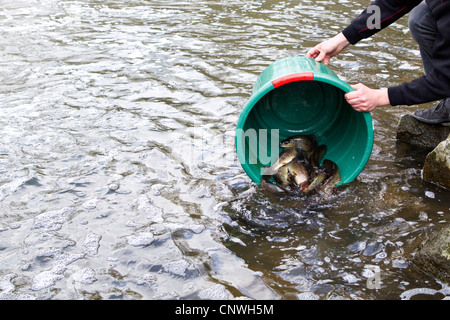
(384, 13)
(363, 26)
(431, 87)
(436, 84)
(364, 99)
(329, 48)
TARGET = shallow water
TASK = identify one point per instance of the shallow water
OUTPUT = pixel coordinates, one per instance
(118, 178)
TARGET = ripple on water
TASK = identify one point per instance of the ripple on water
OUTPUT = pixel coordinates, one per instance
(118, 171)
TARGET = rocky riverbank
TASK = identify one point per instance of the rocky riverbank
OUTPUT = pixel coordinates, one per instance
(433, 256)
(436, 168)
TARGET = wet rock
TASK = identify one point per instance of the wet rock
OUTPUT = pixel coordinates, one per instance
(433, 256)
(421, 134)
(437, 165)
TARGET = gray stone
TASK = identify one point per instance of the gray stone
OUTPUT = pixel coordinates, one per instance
(434, 256)
(437, 165)
(429, 136)
(421, 134)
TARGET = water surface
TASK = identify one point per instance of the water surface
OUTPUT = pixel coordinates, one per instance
(118, 178)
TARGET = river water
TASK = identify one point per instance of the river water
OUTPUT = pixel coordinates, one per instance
(118, 177)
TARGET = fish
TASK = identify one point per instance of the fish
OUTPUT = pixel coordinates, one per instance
(303, 142)
(284, 176)
(300, 145)
(317, 154)
(334, 177)
(318, 180)
(298, 172)
(271, 187)
(289, 153)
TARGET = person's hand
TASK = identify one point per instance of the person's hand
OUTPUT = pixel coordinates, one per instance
(364, 99)
(326, 50)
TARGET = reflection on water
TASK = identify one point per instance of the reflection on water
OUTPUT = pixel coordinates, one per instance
(118, 173)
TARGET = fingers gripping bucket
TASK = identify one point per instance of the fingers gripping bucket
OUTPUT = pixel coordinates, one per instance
(299, 96)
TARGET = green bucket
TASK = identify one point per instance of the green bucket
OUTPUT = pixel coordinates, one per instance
(300, 96)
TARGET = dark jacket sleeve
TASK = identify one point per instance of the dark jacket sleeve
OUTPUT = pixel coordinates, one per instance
(365, 25)
(431, 87)
(435, 85)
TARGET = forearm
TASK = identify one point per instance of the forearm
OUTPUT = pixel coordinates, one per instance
(382, 97)
(436, 84)
(364, 99)
(342, 41)
(328, 49)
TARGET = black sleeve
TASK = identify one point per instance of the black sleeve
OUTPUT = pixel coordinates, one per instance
(431, 87)
(435, 85)
(365, 25)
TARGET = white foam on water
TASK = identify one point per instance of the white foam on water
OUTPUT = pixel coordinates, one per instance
(445, 290)
(153, 212)
(44, 280)
(148, 278)
(350, 278)
(307, 296)
(141, 239)
(215, 292)
(64, 259)
(5, 284)
(131, 224)
(52, 220)
(7, 289)
(90, 204)
(92, 243)
(176, 267)
(85, 276)
(48, 278)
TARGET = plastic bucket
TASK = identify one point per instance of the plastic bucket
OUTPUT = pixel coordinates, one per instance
(299, 96)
